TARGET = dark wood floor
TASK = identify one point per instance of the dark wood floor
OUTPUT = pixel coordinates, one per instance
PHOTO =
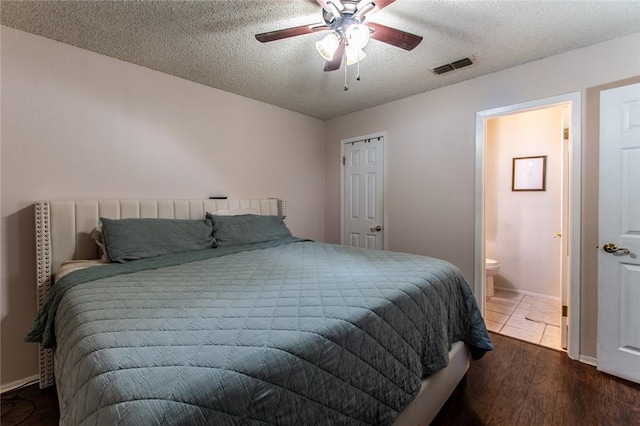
(517, 384)
(520, 383)
(29, 406)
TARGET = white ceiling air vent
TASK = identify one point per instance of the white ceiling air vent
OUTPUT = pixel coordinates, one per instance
(452, 66)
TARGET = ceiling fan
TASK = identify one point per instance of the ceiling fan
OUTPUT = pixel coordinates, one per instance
(349, 34)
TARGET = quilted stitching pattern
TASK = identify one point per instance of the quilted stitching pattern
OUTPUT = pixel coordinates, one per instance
(305, 333)
(133, 239)
(247, 229)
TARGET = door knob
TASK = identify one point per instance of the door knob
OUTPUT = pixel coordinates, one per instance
(377, 228)
(612, 248)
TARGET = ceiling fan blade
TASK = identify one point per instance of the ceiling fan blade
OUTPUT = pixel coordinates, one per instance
(325, 4)
(380, 4)
(335, 63)
(363, 7)
(291, 32)
(394, 37)
(337, 3)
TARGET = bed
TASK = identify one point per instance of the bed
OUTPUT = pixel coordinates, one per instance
(282, 331)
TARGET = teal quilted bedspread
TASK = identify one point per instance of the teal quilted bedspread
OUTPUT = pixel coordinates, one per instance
(288, 333)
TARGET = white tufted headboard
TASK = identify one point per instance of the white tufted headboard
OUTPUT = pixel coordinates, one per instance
(63, 231)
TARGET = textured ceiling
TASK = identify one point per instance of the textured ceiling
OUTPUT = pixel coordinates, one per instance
(212, 42)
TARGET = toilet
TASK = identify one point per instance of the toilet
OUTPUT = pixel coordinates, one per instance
(492, 267)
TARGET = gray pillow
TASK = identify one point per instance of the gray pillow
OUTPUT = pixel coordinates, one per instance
(247, 229)
(132, 239)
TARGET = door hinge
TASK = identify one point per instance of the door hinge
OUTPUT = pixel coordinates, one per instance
(566, 133)
(565, 311)
(344, 160)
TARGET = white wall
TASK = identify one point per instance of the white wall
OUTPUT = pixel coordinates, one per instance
(76, 124)
(519, 225)
(431, 148)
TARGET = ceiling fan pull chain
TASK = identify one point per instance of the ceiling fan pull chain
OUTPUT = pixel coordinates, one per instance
(345, 75)
(358, 76)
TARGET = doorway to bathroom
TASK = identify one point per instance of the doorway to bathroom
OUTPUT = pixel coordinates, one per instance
(527, 220)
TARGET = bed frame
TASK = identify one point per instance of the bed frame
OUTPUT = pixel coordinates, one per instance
(63, 231)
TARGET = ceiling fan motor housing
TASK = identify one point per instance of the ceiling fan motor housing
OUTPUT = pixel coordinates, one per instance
(340, 25)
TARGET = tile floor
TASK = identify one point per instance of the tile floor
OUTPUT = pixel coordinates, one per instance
(530, 318)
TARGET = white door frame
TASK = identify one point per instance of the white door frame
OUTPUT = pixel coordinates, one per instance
(573, 341)
(385, 187)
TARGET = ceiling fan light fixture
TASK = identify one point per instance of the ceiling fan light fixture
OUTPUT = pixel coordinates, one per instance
(327, 46)
(358, 35)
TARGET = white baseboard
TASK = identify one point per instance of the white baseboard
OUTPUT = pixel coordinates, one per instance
(20, 383)
(527, 293)
(589, 360)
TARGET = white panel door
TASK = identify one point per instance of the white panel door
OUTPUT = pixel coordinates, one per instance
(619, 233)
(363, 194)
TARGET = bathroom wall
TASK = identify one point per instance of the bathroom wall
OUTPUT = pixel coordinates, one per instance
(520, 225)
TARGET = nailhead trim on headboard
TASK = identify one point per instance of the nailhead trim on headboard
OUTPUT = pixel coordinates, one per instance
(283, 209)
(43, 260)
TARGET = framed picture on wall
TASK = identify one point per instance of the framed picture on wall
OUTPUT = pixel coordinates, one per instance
(529, 173)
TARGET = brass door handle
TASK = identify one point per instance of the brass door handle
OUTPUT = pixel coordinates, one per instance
(377, 228)
(612, 248)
